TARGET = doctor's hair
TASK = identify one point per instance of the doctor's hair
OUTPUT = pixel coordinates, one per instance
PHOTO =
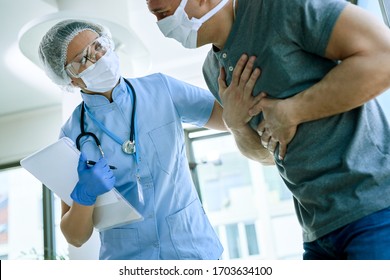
(54, 45)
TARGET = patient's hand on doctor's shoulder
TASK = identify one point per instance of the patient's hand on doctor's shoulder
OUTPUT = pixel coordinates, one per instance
(93, 181)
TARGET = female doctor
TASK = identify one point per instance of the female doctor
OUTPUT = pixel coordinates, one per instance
(135, 125)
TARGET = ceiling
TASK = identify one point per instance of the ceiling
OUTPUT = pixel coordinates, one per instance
(141, 46)
(143, 49)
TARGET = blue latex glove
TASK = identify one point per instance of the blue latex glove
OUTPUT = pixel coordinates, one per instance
(93, 181)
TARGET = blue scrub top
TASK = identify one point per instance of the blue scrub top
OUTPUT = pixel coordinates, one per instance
(175, 225)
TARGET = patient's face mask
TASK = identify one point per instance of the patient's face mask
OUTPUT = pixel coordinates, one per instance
(103, 75)
(184, 30)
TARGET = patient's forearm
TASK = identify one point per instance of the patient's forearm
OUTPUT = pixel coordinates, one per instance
(249, 144)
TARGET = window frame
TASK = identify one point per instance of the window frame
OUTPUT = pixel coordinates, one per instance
(49, 239)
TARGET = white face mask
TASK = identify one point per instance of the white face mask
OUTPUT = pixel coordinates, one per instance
(184, 30)
(103, 75)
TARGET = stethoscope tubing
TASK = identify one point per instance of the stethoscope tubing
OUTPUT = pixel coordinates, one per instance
(84, 133)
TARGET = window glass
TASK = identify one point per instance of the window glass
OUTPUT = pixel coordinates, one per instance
(251, 236)
(240, 196)
(233, 241)
(21, 219)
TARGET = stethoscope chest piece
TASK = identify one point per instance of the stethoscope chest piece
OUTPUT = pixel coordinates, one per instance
(128, 147)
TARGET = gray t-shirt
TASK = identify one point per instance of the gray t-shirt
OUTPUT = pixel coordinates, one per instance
(337, 168)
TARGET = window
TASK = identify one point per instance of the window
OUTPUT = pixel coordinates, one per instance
(21, 217)
(242, 198)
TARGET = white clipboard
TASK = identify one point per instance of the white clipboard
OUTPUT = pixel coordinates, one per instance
(56, 167)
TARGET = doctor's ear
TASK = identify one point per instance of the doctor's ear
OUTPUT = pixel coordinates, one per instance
(77, 82)
(201, 3)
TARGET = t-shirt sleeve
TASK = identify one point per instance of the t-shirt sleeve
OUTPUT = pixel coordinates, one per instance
(210, 73)
(193, 104)
(310, 22)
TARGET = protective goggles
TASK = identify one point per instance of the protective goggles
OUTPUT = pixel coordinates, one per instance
(88, 57)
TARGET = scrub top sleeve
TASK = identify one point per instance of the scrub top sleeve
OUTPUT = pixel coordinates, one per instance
(193, 104)
(71, 127)
(62, 134)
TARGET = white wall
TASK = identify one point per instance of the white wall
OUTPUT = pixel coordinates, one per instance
(21, 135)
(26, 132)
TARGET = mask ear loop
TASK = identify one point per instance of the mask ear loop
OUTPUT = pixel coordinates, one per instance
(213, 11)
(234, 9)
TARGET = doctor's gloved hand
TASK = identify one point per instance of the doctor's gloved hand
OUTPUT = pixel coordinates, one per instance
(93, 181)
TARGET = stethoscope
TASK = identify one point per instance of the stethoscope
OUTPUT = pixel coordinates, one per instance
(128, 147)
